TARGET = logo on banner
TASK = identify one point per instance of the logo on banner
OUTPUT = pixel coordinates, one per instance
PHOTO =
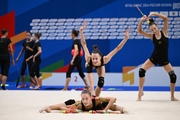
(164, 13)
(76, 79)
(176, 6)
(173, 13)
(127, 75)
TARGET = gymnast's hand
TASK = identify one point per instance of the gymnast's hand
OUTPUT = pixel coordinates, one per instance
(12, 62)
(27, 59)
(127, 33)
(101, 111)
(72, 62)
(144, 17)
(82, 27)
(86, 64)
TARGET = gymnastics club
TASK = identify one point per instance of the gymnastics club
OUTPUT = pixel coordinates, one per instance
(143, 14)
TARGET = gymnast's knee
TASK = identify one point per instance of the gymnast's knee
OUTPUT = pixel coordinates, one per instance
(5, 73)
(142, 72)
(22, 73)
(82, 75)
(172, 76)
(32, 74)
(101, 82)
(89, 69)
(68, 74)
(70, 102)
(38, 74)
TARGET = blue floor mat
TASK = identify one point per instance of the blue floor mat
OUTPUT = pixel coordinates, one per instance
(12, 86)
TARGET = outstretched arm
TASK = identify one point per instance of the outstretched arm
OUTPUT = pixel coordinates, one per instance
(111, 101)
(108, 57)
(164, 17)
(12, 54)
(61, 106)
(83, 42)
(21, 52)
(140, 31)
(76, 106)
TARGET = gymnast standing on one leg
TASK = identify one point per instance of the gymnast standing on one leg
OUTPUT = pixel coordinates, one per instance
(5, 57)
(36, 57)
(76, 61)
(97, 60)
(160, 53)
(27, 46)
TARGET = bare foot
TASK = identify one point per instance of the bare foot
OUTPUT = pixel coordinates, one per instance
(64, 89)
(123, 111)
(21, 86)
(86, 87)
(47, 109)
(31, 87)
(37, 87)
(93, 93)
(140, 94)
(174, 99)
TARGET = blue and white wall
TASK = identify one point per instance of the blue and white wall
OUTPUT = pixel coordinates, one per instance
(106, 23)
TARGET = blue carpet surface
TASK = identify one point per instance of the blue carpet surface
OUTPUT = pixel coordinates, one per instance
(12, 86)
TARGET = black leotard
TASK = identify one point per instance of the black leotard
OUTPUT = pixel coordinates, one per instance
(90, 66)
(160, 53)
(77, 62)
(100, 106)
(4, 56)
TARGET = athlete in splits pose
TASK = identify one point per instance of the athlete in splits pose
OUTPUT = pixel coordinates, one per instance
(160, 53)
(97, 60)
(27, 46)
(88, 102)
(5, 57)
(76, 61)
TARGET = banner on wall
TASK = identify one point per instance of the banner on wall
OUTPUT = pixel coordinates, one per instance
(155, 76)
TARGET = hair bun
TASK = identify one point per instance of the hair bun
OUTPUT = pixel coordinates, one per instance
(95, 47)
(151, 20)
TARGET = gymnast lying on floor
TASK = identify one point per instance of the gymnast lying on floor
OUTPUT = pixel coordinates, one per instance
(87, 103)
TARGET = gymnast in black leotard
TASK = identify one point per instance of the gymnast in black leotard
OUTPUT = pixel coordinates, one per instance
(27, 48)
(88, 102)
(160, 53)
(76, 61)
(5, 42)
(97, 60)
(36, 58)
